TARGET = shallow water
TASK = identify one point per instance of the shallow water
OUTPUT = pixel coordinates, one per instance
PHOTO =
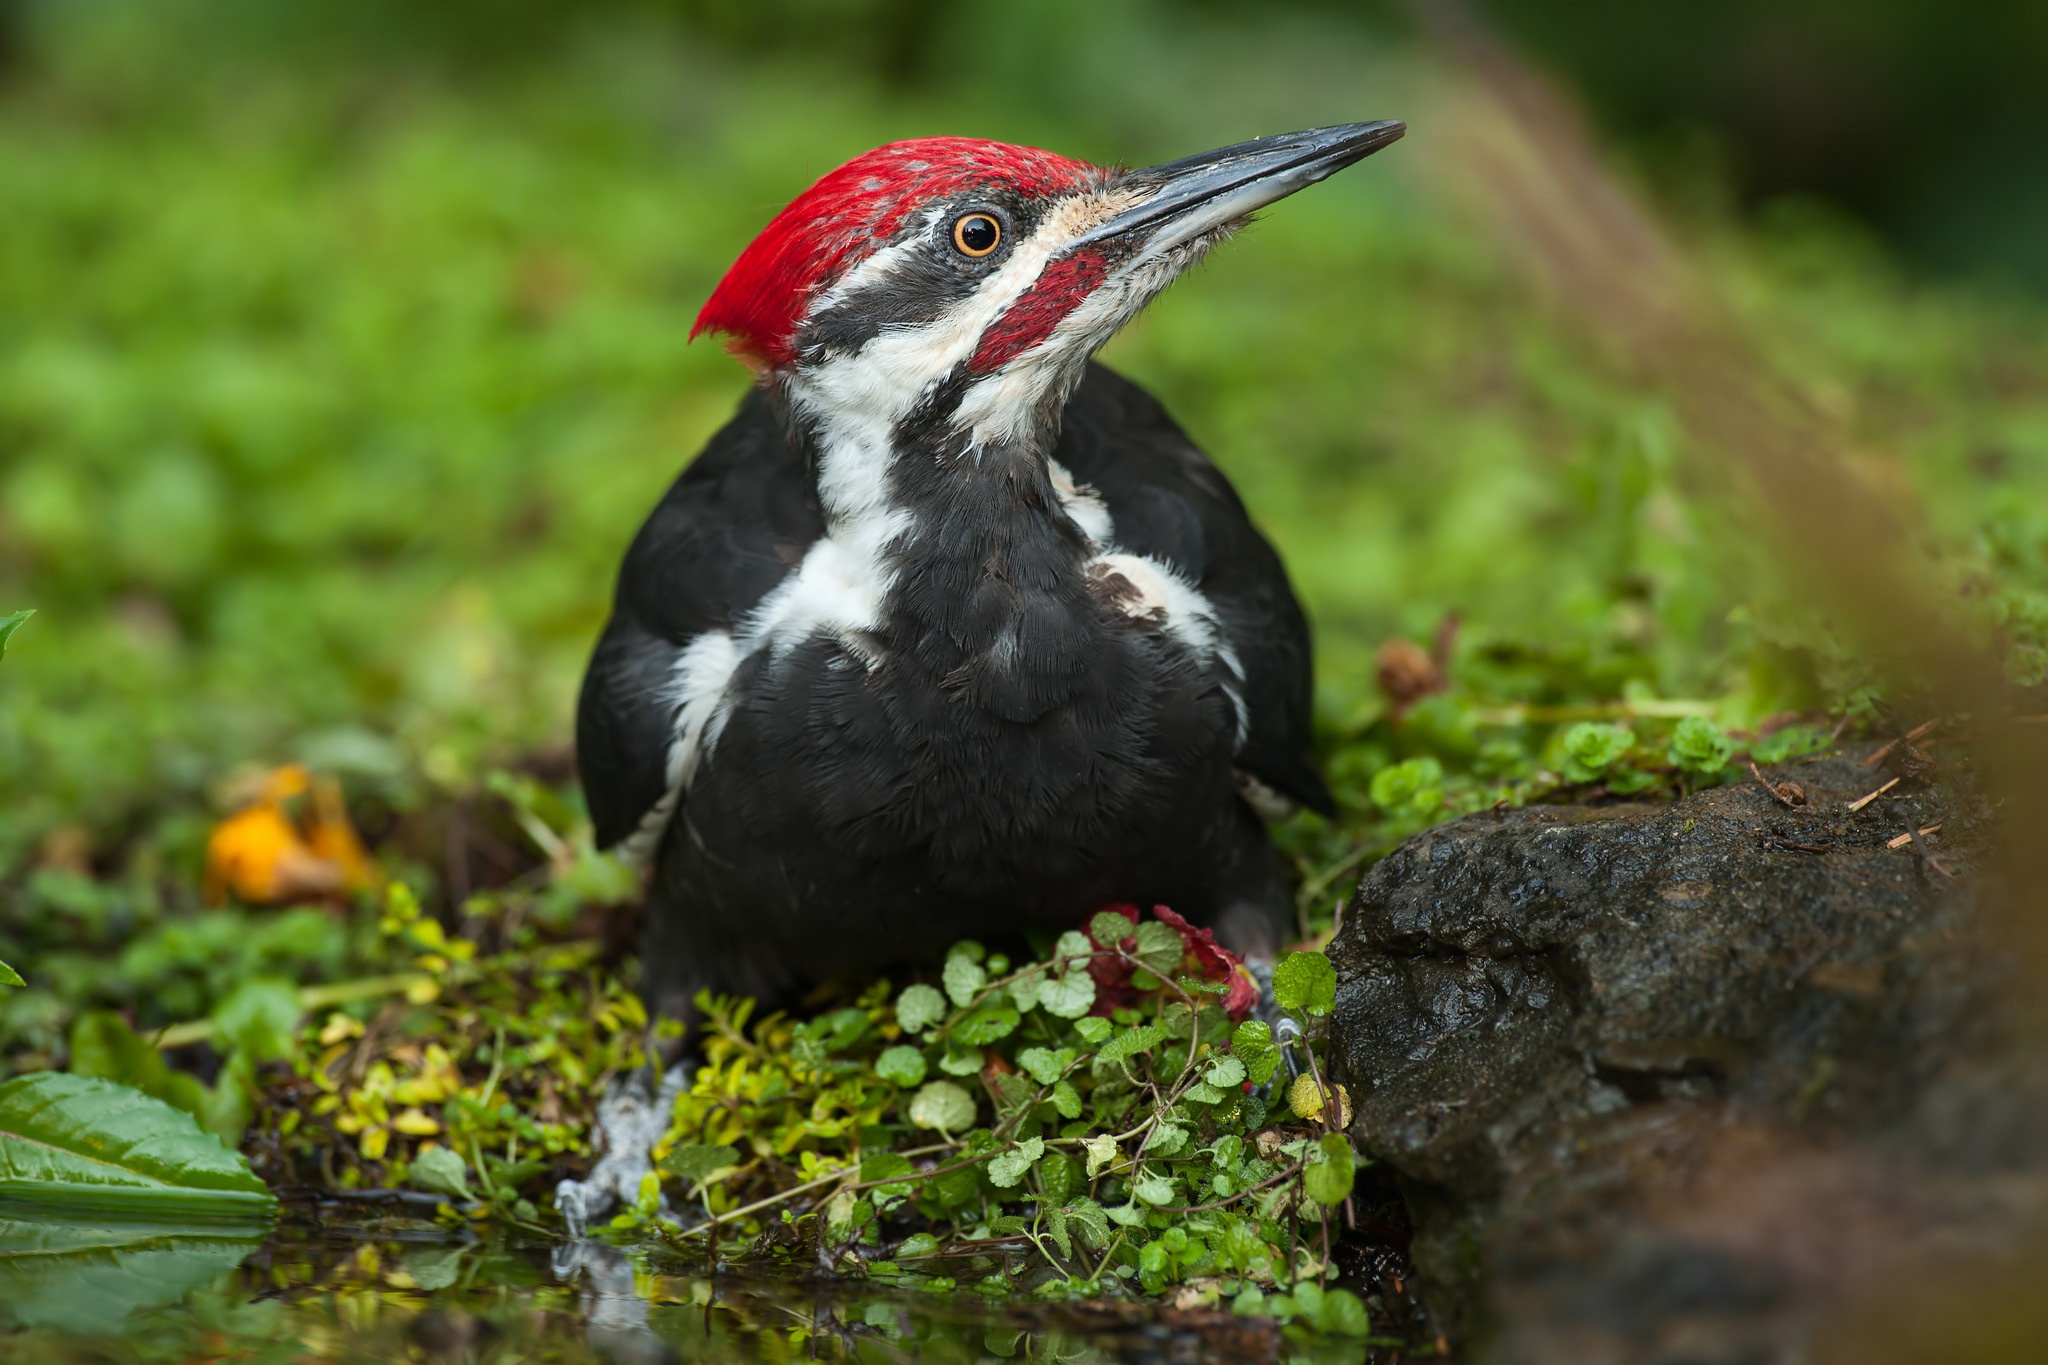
(400, 1289)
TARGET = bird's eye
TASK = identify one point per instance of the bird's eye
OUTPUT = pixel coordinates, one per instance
(977, 234)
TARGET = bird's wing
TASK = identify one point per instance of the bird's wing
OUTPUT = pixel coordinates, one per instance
(1167, 502)
(736, 522)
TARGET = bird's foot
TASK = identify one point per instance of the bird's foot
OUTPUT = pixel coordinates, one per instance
(631, 1117)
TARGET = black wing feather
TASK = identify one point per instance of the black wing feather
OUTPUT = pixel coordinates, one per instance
(1169, 503)
(735, 523)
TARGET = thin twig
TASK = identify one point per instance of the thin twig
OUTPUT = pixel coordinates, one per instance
(1243, 1193)
(1860, 802)
(1927, 855)
(1902, 840)
(1776, 793)
(770, 1202)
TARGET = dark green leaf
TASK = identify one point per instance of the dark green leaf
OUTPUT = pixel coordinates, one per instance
(88, 1144)
(1252, 1044)
(992, 1019)
(10, 977)
(888, 1166)
(1089, 1222)
(8, 625)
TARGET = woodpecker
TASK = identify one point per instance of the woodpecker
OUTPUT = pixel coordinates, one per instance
(951, 631)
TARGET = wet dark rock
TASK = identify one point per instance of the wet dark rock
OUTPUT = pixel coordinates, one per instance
(1664, 1081)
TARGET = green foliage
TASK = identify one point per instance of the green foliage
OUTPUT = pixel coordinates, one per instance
(1590, 748)
(1698, 746)
(1130, 1145)
(8, 625)
(86, 1145)
(103, 1045)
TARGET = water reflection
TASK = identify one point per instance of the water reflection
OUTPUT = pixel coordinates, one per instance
(400, 1289)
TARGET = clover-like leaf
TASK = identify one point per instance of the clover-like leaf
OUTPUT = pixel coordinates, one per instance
(901, 1065)
(1154, 1189)
(1305, 983)
(1066, 1099)
(1110, 928)
(964, 978)
(918, 1008)
(1225, 1071)
(1159, 948)
(944, 1106)
(1252, 1044)
(1069, 995)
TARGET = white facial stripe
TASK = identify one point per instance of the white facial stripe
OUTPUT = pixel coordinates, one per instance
(1005, 406)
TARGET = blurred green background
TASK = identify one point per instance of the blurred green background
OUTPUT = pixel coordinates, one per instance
(343, 347)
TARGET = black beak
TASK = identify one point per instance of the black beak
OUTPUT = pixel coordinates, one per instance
(1198, 193)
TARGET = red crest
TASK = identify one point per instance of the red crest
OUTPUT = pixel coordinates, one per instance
(851, 212)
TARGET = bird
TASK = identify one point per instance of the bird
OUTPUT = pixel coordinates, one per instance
(951, 631)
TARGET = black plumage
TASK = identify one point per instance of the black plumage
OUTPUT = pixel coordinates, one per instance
(1013, 749)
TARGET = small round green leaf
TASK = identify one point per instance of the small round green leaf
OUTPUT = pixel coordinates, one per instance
(918, 1008)
(901, 1065)
(944, 1106)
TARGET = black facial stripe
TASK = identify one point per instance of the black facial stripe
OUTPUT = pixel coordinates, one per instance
(926, 281)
